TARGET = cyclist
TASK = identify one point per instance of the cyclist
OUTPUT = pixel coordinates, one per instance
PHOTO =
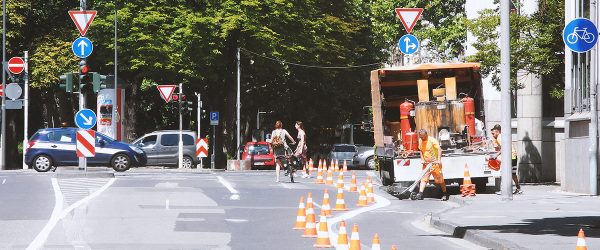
(279, 144)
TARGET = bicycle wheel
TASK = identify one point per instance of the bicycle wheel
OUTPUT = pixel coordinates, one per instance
(572, 38)
(589, 38)
(291, 172)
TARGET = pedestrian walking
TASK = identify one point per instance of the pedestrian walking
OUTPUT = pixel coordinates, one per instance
(301, 148)
(431, 152)
(497, 143)
(278, 142)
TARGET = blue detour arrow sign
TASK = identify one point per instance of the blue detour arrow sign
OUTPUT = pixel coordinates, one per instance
(408, 44)
(85, 119)
(82, 47)
(580, 35)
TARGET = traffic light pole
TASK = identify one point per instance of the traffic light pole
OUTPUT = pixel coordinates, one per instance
(3, 127)
(26, 111)
(180, 157)
(82, 160)
(198, 118)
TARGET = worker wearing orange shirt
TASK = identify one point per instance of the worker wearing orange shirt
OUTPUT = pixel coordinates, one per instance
(431, 152)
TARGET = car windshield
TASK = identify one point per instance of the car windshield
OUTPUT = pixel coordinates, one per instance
(258, 149)
(103, 137)
(343, 148)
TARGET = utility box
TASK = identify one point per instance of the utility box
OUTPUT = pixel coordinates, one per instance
(106, 102)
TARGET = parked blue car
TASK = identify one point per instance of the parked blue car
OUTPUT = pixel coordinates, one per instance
(53, 147)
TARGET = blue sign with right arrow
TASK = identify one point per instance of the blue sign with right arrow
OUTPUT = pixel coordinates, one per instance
(580, 35)
(82, 47)
(408, 44)
(85, 119)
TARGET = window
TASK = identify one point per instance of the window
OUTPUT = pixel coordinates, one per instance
(344, 149)
(61, 136)
(258, 149)
(41, 136)
(188, 140)
(149, 140)
(169, 140)
(580, 68)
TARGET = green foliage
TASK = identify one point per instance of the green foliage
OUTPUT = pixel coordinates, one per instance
(535, 47)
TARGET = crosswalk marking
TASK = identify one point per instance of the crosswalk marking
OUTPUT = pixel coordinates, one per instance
(75, 189)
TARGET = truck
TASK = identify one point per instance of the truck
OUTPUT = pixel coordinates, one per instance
(446, 100)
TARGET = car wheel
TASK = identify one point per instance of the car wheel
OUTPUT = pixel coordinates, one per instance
(187, 162)
(120, 162)
(42, 163)
(370, 163)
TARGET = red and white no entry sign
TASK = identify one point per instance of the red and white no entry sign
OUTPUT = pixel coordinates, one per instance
(86, 143)
(16, 65)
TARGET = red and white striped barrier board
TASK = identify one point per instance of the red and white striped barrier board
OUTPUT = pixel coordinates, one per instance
(86, 143)
(403, 162)
(201, 147)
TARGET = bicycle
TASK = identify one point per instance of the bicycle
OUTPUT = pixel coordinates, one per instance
(580, 34)
(289, 162)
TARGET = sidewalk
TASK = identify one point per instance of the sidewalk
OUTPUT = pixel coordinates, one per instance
(542, 217)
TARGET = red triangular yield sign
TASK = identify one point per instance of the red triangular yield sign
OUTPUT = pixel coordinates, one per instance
(82, 19)
(166, 91)
(409, 17)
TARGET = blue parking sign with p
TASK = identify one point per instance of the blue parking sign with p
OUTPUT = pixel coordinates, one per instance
(214, 118)
(580, 35)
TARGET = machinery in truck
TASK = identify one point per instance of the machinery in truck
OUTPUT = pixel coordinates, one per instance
(446, 100)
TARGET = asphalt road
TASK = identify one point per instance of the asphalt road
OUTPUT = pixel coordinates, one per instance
(158, 209)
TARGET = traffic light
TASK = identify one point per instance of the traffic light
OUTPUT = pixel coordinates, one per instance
(68, 82)
(186, 106)
(98, 81)
(83, 69)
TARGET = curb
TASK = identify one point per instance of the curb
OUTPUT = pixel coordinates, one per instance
(472, 235)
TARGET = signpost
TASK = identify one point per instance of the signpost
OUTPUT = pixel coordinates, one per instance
(580, 35)
(16, 65)
(409, 17)
(13, 91)
(85, 119)
(166, 91)
(82, 19)
(82, 47)
(408, 44)
(214, 121)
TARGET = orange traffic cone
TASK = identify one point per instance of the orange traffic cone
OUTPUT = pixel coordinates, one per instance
(325, 208)
(332, 164)
(370, 194)
(342, 242)
(394, 247)
(340, 204)
(376, 245)
(362, 198)
(354, 238)
(337, 166)
(310, 166)
(340, 181)
(323, 233)
(320, 175)
(467, 188)
(353, 187)
(329, 180)
(345, 167)
(310, 231)
(301, 215)
(581, 241)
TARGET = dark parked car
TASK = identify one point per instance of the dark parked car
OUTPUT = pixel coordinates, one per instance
(364, 157)
(341, 153)
(54, 147)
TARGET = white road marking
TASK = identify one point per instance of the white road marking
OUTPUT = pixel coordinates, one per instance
(484, 216)
(3, 181)
(236, 220)
(235, 195)
(380, 202)
(57, 214)
(167, 204)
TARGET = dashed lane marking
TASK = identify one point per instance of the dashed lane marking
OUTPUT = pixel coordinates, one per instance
(3, 181)
(235, 195)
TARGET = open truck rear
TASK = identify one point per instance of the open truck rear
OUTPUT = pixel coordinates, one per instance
(443, 98)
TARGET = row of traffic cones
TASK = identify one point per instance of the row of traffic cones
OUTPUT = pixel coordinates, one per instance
(334, 166)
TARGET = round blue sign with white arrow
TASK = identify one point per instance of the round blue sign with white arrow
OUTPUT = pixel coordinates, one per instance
(580, 35)
(408, 44)
(85, 119)
(82, 47)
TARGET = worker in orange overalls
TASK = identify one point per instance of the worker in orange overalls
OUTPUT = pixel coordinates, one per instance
(431, 152)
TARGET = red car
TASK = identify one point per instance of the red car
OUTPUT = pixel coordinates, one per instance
(260, 154)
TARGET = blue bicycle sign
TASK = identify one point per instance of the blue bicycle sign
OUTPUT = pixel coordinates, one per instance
(580, 35)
